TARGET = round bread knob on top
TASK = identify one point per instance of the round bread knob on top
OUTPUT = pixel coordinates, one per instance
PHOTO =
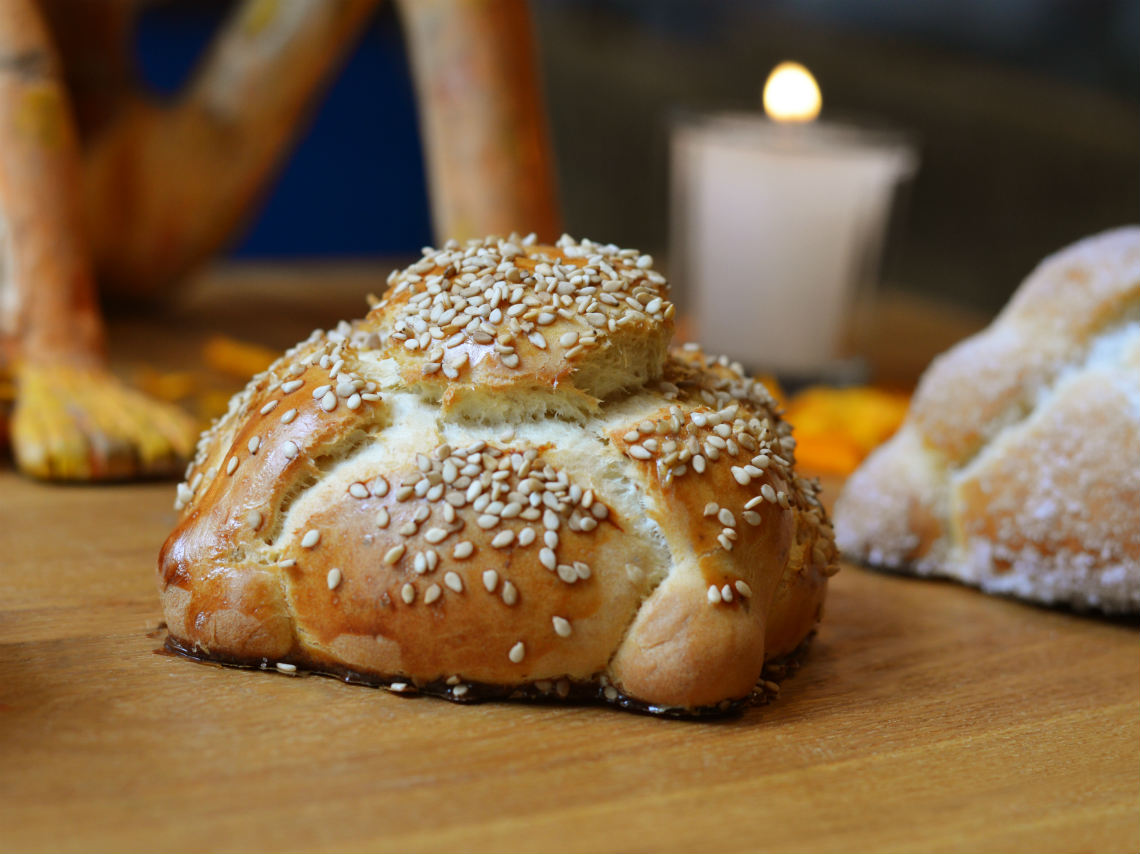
(501, 482)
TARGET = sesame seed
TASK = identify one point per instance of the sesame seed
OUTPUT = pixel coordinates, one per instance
(463, 550)
(328, 402)
(768, 492)
(726, 593)
(435, 535)
(353, 401)
(751, 517)
(289, 449)
(382, 518)
(510, 594)
(291, 386)
(753, 501)
(713, 594)
(453, 581)
(550, 538)
(253, 518)
(320, 391)
(546, 558)
(698, 464)
(310, 539)
(288, 563)
(517, 653)
(562, 627)
(232, 465)
(286, 667)
(711, 509)
(269, 407)
(459, 691)
(568, 339)
(741, 476)
(334, 578)
(408, 529)
(288, 415)
(419, 563)
(490, 580)
(726, 518)
(408, 594)
(432, 593)
(394, 554)
(639, 453)
(503, 539)
(358, 490)
(742, 588)
(567, 573)
(405, 492)
(725, 542)
(487, 521)
(526, 536)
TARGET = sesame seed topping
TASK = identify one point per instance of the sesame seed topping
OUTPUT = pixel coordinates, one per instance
(510, 593)
(310, 539)
(567, 573)
(639, 453)
(435, 535)
(768, 492)
(526, 536)
(286, 667)
(291, 386)
(751, 517)
(288, 415)
(358, 490)
(742, 588)
(408, 594)
(503, 539)
(432, 593)
(547, 558)
(232, 465)
(328, 402)
(753, 501)
(562, 627)
(490, 580)
(269, 407)
(711, 509)
(353, 401)
(453, 581)
(463, 550)
(725, 517)
(254, 519)
(517, 653)
(726, 593)
(289, 449)
(394, 554)
(741, 476)
(334, 578)
(382, 518)
(713, 594)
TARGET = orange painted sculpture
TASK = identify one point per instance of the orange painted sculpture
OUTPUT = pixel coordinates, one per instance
(99, 183)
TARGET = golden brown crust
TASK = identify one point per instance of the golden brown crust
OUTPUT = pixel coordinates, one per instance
(1016, 468)
(660, 546)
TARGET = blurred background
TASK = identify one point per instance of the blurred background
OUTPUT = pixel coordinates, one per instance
(1025, 114)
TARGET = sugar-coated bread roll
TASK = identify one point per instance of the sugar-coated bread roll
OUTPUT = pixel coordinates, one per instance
(1018, 466)
(500, 482)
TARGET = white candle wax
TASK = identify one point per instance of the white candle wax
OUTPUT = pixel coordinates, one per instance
(778, 228)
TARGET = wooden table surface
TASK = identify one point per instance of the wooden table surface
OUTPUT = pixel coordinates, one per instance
(927, 717)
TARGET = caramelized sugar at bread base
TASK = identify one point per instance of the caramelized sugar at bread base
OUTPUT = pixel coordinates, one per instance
(500, 477)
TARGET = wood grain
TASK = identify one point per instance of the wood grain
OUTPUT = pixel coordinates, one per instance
(927, 717)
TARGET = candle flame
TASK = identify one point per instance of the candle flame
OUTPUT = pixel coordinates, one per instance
(791, 94)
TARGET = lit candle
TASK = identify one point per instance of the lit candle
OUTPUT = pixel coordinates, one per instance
(777, 227)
